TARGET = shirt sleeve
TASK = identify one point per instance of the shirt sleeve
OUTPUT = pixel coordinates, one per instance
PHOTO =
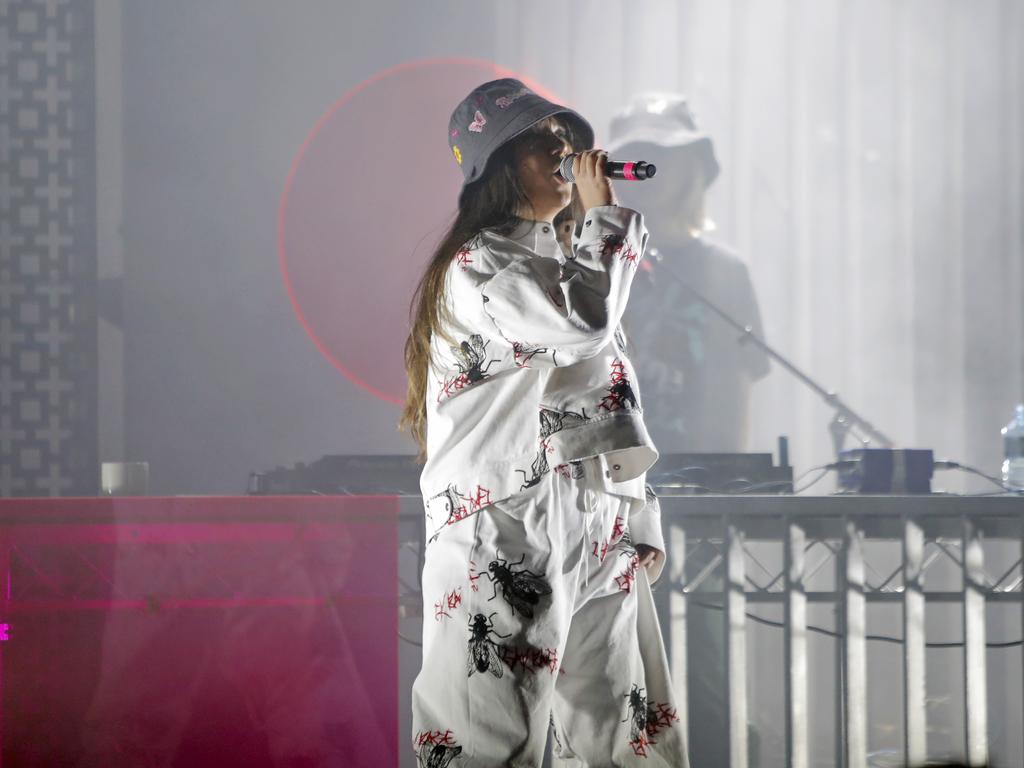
(570, 310)
(645, 527)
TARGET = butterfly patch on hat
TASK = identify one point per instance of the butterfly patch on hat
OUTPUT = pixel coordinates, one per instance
(458, 155)
(479, 121)
(507, 101)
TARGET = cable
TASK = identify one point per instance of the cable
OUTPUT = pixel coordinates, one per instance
(749, 487)
(837, 635)
(979, 473)
(824, 471)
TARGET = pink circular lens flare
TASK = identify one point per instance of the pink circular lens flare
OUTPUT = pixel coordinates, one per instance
(369, 195)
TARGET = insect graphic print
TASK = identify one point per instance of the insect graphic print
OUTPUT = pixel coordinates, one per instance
(521, 588)
(620, 394)
(472, 364)
(436, 749)
(523, 352)
(479, 121)
(552, 421)
(504, 102)
(437, 756)
(636, 716)
(538, 468)
(471, 356)
(616, 245)
(484, 653)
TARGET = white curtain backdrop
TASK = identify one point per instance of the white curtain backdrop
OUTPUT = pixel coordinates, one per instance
(872, 174)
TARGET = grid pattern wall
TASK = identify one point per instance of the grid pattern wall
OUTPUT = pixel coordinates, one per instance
(48, 421)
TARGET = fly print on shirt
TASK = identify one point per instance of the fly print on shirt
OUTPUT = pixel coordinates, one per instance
(620, 393)
(616, 245)
(436, 749)
(538, 468)
(483, 651)
(523, 352)
(636, 716)
(472, 363)
(521, 588)
(552, 421)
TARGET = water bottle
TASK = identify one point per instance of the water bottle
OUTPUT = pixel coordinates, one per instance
(1013, 440)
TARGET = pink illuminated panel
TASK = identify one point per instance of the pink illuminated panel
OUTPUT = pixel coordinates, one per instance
(230, 632)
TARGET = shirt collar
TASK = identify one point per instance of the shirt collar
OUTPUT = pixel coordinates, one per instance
(538, 236)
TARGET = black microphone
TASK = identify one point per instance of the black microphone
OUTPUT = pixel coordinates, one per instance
(636, 170)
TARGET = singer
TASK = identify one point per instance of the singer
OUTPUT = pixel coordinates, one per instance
(542, 537)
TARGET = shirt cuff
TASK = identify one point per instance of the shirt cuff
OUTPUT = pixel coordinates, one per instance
(610, 219)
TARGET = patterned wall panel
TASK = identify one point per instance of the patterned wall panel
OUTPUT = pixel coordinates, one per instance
(48, 422)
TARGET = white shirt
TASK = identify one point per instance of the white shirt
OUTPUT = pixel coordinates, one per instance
(538, 378)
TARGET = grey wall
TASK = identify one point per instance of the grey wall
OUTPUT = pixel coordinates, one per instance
(220, 378)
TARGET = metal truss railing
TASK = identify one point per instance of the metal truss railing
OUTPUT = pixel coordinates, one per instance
(715, 536)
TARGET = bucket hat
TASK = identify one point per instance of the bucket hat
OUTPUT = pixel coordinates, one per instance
(665, 120)
(495, 113)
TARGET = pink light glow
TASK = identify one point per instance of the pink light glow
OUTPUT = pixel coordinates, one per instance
(369, 193)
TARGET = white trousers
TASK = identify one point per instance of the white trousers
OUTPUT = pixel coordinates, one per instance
(536, 611)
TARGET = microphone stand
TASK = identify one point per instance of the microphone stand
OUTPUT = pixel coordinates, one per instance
(845, 421)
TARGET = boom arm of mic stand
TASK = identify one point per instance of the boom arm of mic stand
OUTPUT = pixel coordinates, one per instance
(846, 418)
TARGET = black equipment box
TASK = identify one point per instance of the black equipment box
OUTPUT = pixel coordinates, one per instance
(885, 470)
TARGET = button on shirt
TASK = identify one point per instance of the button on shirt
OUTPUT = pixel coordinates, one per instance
(533, 377)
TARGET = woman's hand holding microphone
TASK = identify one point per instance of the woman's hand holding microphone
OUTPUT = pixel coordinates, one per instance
(593, 187)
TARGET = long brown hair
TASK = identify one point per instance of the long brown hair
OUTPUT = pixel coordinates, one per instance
(491, 202)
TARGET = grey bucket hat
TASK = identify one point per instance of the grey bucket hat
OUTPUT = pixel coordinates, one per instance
(496, 112)
(665, 120)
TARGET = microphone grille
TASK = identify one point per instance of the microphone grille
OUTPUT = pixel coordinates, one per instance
(565, 168)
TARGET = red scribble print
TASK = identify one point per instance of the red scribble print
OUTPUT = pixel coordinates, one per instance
(620, 393)
(434, 738)
(451, 601)
(458, 512)
(524, 352)
(473, 576)
(628, 576)
(639, 745)
(659, 717)
(530, 659)
(618, 529)
(612, 244)
(600, 550)
(449, 386)
(462, 259)
(618, 374)
(481, 498)
(572, 470)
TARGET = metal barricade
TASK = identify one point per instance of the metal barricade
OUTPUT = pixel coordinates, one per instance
(839, 530)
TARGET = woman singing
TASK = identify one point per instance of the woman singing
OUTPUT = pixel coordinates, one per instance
(541, 536)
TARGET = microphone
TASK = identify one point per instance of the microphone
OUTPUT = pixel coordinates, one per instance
(632, 171)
